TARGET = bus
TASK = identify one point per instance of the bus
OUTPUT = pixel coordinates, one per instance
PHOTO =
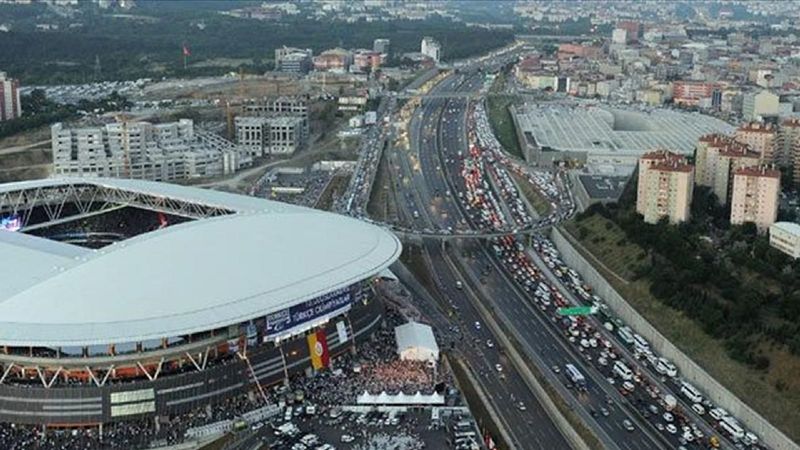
(575, 375)
(691, 392)
(732, 427)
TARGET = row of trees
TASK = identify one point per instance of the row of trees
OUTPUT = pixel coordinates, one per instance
(39, 111)
(726, 278)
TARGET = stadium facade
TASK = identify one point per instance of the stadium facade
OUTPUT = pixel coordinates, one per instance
(124, 299)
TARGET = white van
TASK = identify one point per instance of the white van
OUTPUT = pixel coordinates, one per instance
(623, 371)
(691, 392)
(640, 344)
(665, 367)
(626, 335)
(732, 427)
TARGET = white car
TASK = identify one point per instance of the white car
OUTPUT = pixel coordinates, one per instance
(672, 429)
(668, 417)
(498, 367)
(718, 413)
(698, 408)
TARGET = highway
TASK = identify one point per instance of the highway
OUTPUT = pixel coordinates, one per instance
(439, 131)
(422, 201)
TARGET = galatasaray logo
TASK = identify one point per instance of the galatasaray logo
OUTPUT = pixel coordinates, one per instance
(318, 349)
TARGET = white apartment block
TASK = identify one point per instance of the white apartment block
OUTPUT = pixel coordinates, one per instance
(716, 158)
(665, 187)
(138, 150)
(431, 48)
(755, 196)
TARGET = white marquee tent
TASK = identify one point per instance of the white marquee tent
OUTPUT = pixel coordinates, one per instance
(400, 399)
(415, 341)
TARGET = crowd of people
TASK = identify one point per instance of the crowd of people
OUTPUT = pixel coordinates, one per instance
(373, 367)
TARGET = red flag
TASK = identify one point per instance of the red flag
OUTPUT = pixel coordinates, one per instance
(318, 348)
(186, 51)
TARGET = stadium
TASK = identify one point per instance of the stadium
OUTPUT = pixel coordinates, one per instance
(125, 299)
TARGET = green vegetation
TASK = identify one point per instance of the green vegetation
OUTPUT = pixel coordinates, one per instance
(534, 197)
(720, 293)
(38, 111)
(147, 41)
(497, 108)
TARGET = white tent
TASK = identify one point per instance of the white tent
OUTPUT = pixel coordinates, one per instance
(400, 399)
(415, 342)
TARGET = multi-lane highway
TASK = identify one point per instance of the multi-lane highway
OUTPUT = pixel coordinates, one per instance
(439, 141)
(422, 201)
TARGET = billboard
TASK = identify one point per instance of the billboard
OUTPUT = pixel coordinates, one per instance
(283, 321)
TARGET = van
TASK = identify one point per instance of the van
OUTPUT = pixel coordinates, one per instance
(639, 343)
(691, 392)
(732, 427)
(665, 367)
(626, 335)
(623, 371)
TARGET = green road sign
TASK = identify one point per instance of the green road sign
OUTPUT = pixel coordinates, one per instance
(577, 311)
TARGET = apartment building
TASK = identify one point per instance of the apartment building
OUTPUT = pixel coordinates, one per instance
(262, 136)
(431, 48)
(291, 106)
(762, 138)
(758, 105)
(755, 196)
(716, 158)
(789, 144)
(295, 60)
(665, 185)
(382, 46)
(691, 93)
(336, 60)
(138, 150)
(10, 106)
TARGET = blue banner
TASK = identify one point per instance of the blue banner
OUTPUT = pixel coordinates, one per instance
(308, 311)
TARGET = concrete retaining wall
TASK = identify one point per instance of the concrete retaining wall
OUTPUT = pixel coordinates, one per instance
(690, 370)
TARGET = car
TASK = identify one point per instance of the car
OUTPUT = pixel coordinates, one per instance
(498, 367)
(521, 406)
(718, 413)
(698, 408)
(628, 425)
(671, 428)
(628, 386)
(477, 325)
(668, 417)
(489, 343)
(556, 369)
(604, 411)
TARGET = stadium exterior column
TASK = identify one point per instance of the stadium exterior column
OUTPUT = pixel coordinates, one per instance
(285, 369)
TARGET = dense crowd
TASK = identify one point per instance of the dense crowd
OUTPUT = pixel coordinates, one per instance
(374, 367)
(383, 441)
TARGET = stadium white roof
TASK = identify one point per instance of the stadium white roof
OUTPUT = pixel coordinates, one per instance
(185, 278)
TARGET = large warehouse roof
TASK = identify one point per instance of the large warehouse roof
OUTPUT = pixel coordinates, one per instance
(185, 278)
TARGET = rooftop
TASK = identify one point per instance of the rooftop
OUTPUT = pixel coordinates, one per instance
(183, 279)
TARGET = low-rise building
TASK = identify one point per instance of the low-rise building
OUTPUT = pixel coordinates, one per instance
(755, 196)
(665, 185)
(290, 59)
(337, 60)
(785, 236)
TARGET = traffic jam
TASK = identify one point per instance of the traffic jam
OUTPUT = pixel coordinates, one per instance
(651, 384)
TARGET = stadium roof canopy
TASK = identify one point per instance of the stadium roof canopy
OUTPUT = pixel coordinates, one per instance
(182, 279)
